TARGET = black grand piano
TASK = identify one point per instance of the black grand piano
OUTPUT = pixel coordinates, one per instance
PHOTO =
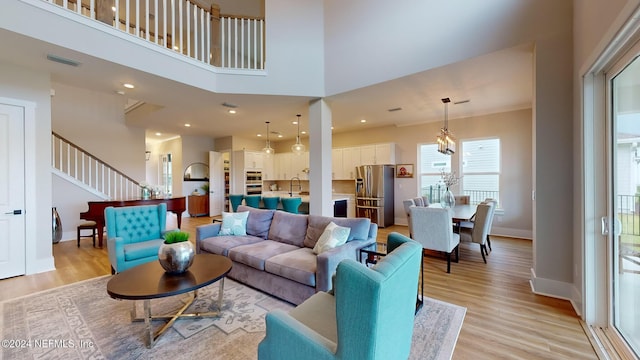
(176, 205)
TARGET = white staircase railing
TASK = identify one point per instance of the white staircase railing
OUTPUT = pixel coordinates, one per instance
(86, 169)
(183, 26)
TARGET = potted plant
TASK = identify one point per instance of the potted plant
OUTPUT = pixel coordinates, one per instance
(176, 252)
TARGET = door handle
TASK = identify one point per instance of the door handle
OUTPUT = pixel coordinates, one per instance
(14, 212)
(604, 225)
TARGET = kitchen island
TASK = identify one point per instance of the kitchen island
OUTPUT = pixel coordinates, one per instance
(339, 202)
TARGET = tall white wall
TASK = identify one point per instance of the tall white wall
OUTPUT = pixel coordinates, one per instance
(368, 42)
(34, 86)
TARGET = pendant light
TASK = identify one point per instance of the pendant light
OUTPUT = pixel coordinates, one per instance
(267, 148)
(298, 148)
(446, 141)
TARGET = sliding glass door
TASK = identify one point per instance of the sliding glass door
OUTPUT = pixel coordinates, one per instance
(624, 184)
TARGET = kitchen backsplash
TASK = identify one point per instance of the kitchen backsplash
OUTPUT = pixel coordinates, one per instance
(339, 186)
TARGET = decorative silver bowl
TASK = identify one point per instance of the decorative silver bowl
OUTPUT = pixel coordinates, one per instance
(177, 257)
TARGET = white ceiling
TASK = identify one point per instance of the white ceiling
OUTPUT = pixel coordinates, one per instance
(495, 82)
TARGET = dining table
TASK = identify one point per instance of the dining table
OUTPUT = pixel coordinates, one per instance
(461, 212)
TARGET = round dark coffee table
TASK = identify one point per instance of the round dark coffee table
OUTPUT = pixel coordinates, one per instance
(150, 281)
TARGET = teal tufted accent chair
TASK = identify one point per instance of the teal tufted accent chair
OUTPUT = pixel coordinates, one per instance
(370, 314)
(134, 234)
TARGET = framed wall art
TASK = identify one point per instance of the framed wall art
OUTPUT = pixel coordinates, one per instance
(404, 170)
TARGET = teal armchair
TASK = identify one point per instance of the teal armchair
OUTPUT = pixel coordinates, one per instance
(370, 314)
(134, 234)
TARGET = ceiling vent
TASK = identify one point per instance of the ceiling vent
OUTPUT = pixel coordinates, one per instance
(62, 60)
(394, 109)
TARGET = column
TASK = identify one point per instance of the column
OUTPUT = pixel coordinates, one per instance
(320, 187)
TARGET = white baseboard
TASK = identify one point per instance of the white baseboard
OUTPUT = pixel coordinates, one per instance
(556, 289)
(515, 233)
(40, 265)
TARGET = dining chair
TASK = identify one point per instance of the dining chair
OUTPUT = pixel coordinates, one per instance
(462, 199)
(478, 233)
(433, 228)
(469, 224)
(493, 211)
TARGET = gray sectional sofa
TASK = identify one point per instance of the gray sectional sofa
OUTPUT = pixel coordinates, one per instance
(276, 254)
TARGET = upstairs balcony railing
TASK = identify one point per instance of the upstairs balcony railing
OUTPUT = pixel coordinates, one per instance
(183, 26)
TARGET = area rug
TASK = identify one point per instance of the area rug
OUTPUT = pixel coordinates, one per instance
(80, 321)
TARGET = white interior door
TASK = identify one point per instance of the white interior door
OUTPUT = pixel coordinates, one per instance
(12, 220)
(216, 183)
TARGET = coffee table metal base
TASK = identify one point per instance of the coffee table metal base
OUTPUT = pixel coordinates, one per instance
(148, 317)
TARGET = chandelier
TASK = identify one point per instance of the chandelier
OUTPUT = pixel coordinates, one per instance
(446, 141)
(267, 148)
(298, 148)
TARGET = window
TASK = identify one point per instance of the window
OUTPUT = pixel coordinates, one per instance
(432, 163)
(481, 169)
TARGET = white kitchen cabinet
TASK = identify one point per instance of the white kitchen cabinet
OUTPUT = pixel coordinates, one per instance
(282, 166)
(336, 164)
(385, 154)
(268, 167)
(350, 160)
(368, 155)
(298, 164)
(254, 160)
(378, 154)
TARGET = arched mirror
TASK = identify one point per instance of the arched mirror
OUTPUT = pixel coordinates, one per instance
(197, 172)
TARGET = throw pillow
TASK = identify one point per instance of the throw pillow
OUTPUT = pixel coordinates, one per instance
(332, 236)
(234, 223)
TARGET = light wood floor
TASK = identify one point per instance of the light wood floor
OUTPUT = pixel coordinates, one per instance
(504, 319)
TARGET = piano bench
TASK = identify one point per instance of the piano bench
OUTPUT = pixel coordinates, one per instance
(88, 225)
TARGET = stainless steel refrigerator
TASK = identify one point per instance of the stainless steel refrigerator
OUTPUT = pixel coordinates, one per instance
(374, 193)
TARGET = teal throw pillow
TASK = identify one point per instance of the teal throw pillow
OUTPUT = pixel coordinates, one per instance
(234, 223)
(333, 236)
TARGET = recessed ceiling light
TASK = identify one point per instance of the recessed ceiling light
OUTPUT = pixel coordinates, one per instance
(303, 132)
(158, 134)
(120, 92)
(128, 86)
(232, 111)
(113, 8)
(363, 121)
(294, 122)
(176, 48)
(259, 135)
(280, 135)
(187, 125)
(332, 128)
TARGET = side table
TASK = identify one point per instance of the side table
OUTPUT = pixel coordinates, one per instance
(379, 250)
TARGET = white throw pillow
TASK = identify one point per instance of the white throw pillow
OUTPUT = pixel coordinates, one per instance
(332, 236)
(234, 223)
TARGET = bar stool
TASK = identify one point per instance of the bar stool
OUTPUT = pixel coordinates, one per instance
(271, 202)
(291, 204)
(235, 201)
(88, 225)
(252, 200)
